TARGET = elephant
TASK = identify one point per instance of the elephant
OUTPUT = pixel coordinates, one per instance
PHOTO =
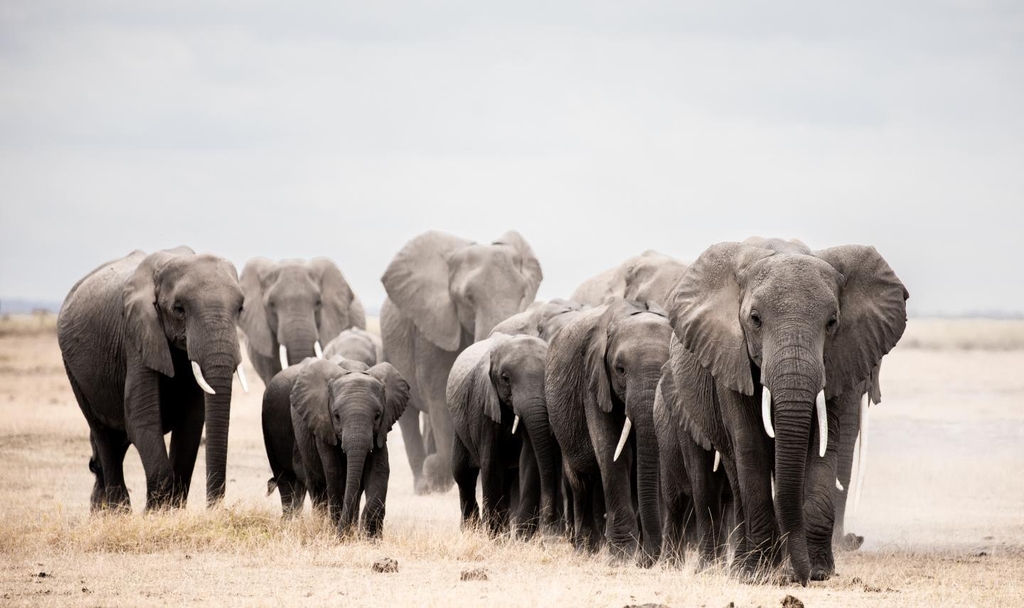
(798, 332)
(648, 277)
(325, 426)
(600, 379)
(694, 486)
(358, 344)
(293, 308)
(495, 384)
(541, 320)
(150, 347)
(443, 294)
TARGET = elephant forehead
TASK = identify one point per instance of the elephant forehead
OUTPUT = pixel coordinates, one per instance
(521, 351)
(195, 274)
(357, 383)
(789, 277)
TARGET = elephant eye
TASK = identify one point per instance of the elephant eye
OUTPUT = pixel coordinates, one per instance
(755, 318)
(179, 308)
(620, 369)
(319, 303)
(504, 377)
(832, 322)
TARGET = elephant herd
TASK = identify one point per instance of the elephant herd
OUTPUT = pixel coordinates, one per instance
(662, 405)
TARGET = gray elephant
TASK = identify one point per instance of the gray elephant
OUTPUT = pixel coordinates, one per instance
(793, 334)
(648, 277)
(357, 344)
(541, 320)
(444, 293)
(601, 375)
(494, 385)
(149, 345)
(292, 309)
(325, 426)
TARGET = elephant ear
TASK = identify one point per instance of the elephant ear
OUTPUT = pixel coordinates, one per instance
(417, 283)
(336, 297)
(253, 319)
(356, 313)
(530, 266)
(311, 397)
(142, 319)
(396, 397)
(594, 347)
(874, 388)
(872, 315)
(469, 383)
(705, 312)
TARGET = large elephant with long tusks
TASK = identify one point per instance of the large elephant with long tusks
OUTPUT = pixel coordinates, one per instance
(293, 309)
(790, 335)
(150, 347)
(445, 293)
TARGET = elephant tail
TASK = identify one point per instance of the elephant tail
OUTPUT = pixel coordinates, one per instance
(271, 485)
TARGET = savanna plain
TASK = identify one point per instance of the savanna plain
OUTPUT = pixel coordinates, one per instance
(942, 510)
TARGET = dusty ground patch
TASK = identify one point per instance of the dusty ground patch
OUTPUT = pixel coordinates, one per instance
(943, 514)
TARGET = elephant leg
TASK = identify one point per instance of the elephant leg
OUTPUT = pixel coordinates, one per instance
(378, 471)
(528, 511)
(144, 426)
(432, 371)
(820, 491)
(409, 423)
(496, 501)
(107, 463)
(849, 428)
(707, 505)
(335, 473)
(465, 476)
(621, 527)
(673, 497)
(185, 438)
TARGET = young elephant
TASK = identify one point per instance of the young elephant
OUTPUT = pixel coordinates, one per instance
(601, 374)
(341, 412)
(357, 344)
(494, 385)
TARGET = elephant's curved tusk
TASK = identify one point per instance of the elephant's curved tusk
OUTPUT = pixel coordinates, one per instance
(773, 486)
(622, 440)
(198, 373)
(766, 411)
(318, 350)
(822, 423)
(862, 451)
(515, 424)
(241, 378)
(839, 486)
(282, 353)
(718, 461)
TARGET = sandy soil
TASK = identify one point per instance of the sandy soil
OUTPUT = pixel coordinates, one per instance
(942, 511)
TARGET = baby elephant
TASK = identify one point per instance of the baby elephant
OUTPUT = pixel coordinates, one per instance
(325, 425)
(495, 395)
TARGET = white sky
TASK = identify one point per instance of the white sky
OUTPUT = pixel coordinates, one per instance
(597, 129)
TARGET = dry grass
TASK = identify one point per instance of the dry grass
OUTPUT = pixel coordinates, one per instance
(964, 334)
(28, 324)
(940, 494)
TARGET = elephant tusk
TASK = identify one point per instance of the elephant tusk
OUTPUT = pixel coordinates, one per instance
(515, 424)
(862, 451)
(318, 350)
(773, 486)
(241, 378)
(766, 411)
(718, 461)
(283, 354)
(822, 423)
(839, 486)
(198, 373)
(622, 440)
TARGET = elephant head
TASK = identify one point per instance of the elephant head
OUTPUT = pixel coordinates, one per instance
(648, 277)
(806, 326)
(349, 404)
(293, 308)
(190, 303)
(358, 344)
(452, 288)
(542, 319)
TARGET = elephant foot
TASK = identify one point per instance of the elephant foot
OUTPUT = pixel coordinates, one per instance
(821, 573)
(848, 542)
(436, 479)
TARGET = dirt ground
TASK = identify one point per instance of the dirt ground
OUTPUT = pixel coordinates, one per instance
(942, 512)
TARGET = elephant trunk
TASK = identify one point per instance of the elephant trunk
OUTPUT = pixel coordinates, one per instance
(640, 405)
(535, 417)
(355, 460)
(795, 377)
(299, 337)
(213, 346)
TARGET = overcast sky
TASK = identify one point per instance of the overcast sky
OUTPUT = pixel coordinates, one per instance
(597, 129)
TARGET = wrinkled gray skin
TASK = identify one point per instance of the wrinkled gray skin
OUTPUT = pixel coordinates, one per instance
(602, 367)
(692, 491)
(444, 293)
(648, 277)
(325, 426)
(357, 344)
(294, 303)
(128, 332)
(773, 313)
(491, 383)
(541, 320)
(849, 429)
